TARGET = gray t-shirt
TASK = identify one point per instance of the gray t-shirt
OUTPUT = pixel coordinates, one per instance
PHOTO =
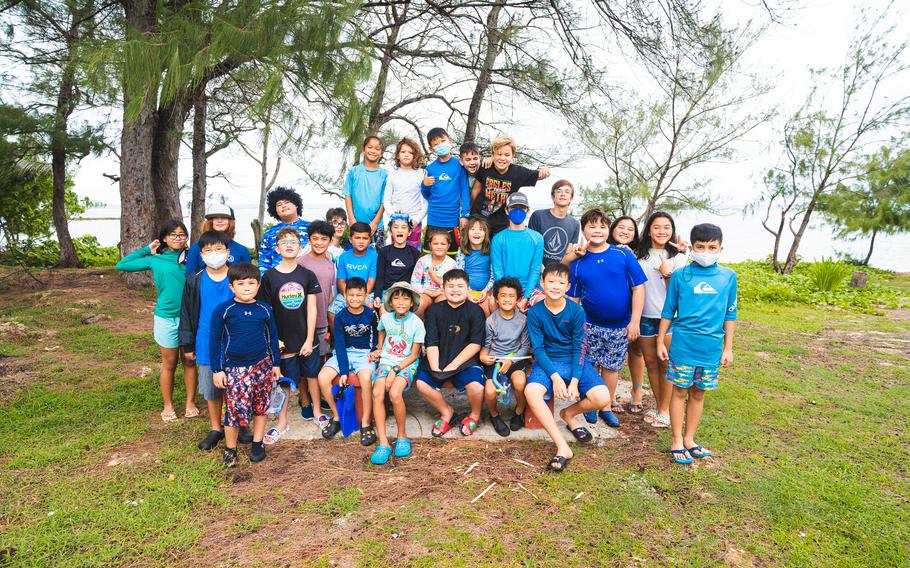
(557, 233)
(507, 336)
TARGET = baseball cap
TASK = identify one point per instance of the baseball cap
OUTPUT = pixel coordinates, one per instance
(517, 199)
(219, 210)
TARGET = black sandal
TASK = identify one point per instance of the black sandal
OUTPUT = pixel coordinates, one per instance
(583, 435)
(560, 461)
(367, 436)
(636, 409)
(331, 428)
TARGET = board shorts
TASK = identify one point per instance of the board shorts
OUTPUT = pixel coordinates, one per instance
(460, 380)
(207, 387)
(358, 360)
(588, 380)
(297, 367)
(247, 393)
(406, 373)
(650, 326)
(606, 347)
(523, 365)
(536, 296)
(165, 332)
(685, 376)
(414, 237)
(339, 303)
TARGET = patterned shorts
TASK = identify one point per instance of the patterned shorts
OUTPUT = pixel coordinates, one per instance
(406, 373)
(685, 376)
(247, 391)
(605, 346)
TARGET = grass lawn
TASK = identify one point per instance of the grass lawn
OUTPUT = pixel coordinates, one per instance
(810, 429)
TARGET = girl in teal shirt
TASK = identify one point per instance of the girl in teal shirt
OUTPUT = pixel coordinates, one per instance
(167, 263)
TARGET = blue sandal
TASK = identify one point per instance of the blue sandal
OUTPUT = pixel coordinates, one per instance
(402, 448)
(686, 459)
(699, 452)
(381, 455)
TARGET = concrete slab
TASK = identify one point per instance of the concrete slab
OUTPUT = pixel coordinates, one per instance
(421, 418)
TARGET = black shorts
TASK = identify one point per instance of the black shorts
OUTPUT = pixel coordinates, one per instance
(520, 365)
(297, 368)
(453, 239)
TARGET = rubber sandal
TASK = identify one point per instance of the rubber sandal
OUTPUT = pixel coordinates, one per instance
(686, 459)
(273, 435)
(440, 428)
(402, 448)
(583, 435)
(617, 408)
(636, 409)
(168, 415)
(471, 425)
(649, 415)
(517, 422)
(331, 428)
(561, 461)
(500, 426)
(367, 436)
(193, 413)
(699, 452)
(661, 421)
(381, 455)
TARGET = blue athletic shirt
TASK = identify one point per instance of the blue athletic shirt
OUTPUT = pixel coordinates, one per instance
(449, 198)
(366, 189)
(354, 331)
(557, 338)
(211, 294)
(351, 265)
(604, 282)
(518, 253)
(479, 269)
(699, 301)
(242, 335)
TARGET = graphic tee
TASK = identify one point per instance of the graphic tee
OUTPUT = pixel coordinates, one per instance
(287, 295)
(451, 330)
(495, 189)
(353, 331)
(400, 337)
(393, 265)
(604, 282)
(557, 233)
(362, 266)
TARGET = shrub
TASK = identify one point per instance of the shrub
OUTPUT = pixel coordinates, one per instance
(47, 252)
(828, 274)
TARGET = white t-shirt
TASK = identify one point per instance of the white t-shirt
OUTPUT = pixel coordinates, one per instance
(402, 193)
(656, 287)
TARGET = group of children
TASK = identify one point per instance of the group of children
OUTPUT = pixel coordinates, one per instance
(474, 300)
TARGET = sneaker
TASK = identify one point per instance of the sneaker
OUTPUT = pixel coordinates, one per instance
(257, 453)
(306, 412)
(244, 435)
(324, 406)
(517, 422)
(610, 418)
(211, 440)
(591, 417)
(229, 457)
(501, 427)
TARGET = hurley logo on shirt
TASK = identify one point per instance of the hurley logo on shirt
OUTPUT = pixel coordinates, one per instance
(704, 288)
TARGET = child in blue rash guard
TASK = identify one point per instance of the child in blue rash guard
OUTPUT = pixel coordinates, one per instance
(355, 340)
(244, 350)
(446, 190)
(357, 262)
(364, 188)
(609, 283)
(285, 206)
(556, 327)
(474, 258)
(701, 304)
(518, 251)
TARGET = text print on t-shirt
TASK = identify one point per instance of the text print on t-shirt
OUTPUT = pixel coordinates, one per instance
(496, 191)
(291, 295)
(351, 267)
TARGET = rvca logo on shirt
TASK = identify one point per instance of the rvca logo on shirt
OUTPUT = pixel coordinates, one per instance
(704, 288)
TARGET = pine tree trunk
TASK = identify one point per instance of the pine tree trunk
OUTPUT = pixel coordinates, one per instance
(798, 237)
(494, 48)
(871, 246)
(65, 103)
(165, 153)
(197, 214)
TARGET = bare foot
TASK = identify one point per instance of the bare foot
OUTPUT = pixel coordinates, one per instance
(571, 423)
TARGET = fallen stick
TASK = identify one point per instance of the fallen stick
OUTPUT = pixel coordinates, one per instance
(471, 468)
(528, 491)
(523, 462)
(577, 497)
(484, 492)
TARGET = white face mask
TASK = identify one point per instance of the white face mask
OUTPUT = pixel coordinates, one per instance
(705, 258)
(215, 260)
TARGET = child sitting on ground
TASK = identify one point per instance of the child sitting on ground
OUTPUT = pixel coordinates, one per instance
(556, 327)
(701, 304)
(401, 334)
(291, 291)
(364, 188)
(402, 192)
(245, 360)
(518, 251)
(429, 271)
(506, 344)
(454, 337)
(395, 262)
(474, 258)
(357, 262)
(355, 339)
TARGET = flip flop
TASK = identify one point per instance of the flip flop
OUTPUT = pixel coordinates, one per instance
(617, 408)
(649, 415)
(273, 435)
(168, 416)
(682, 457)
(440, 428)
(561, 461)
(699, 452)
(661, 421)
(636, 409)
(583, 435)
(470, 424)
(191, 413)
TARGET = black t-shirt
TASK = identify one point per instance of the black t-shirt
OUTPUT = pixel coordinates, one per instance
(287, 295)
(495, 189)
(394, 265)
(451, 330)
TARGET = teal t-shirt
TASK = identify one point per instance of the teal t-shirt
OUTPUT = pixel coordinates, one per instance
(400, 337)
(366, 188)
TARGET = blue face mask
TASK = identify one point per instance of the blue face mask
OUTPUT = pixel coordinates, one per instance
(518, 216)
(443, 149)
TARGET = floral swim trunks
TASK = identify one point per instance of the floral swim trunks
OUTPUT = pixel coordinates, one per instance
(685, 376)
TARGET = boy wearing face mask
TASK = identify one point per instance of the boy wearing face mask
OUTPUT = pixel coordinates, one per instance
(701, 304)
(204, 290)
(518, 251)
(446, 190)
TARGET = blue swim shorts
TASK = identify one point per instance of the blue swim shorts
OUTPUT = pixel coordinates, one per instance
(588, 380)
(685, 376)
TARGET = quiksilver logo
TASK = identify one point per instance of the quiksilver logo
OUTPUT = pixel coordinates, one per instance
(704, 288)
